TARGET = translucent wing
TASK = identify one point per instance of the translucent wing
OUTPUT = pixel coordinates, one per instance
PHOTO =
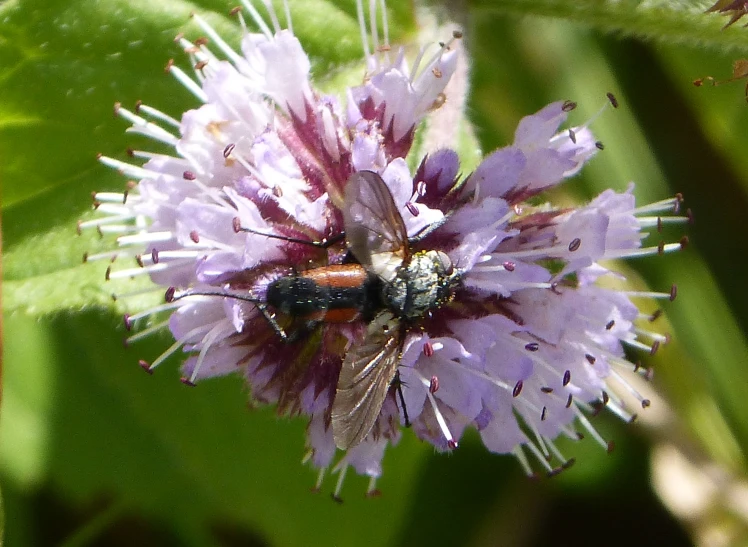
(374, 229)
(365, 377)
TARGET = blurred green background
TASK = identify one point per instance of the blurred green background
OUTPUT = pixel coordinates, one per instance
(94, 452)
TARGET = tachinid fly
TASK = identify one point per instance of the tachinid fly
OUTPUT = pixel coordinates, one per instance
(389, 288)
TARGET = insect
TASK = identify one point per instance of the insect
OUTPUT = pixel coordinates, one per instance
(389, 288)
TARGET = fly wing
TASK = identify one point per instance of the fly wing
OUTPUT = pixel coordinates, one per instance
(374, 228)
(365, 377)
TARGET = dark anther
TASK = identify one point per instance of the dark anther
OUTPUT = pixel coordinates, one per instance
(546, 389)
(673, 292)
(451, 444)
(611, 446)
(179, 36)
(575, 244)
(108, 273)
(689, 214)
(543, 414)
(568, 463)
(100, 231)
(655, 316)
(572, 136)
(555, 471)
(633, 418)
(374, 493)
(606, 397)
(580, 436)
(189, 175)
(130, 152)
(655, 347)
(127, 321)
(85, 257)
(684, 242)
(125, 195)
(610, 324)
(517, 389)
(154, 256)
(186, 381)
(227, 151)
(509, 266)
(532, 346)
(646, 403)
(569, 401)
(599, 145)
(597, 407)
(434, 385)
(277, 191)
(139, 260)
(568, 106)
(237, 224)
(567, 377)
(428, 349)
(590, 358)
(336, 499)
(201, 41)
(145, 366)
(648, 374)
(661, 248)
(612, 99)
(194, 236)
(138, 104)
(235, 10)
(169, 64)
(412, 208)
(200, 65)
(457, 34)
(637, 366)
(169, 295)
(659, 224)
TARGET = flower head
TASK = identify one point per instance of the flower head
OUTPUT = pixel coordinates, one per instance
(463, 305)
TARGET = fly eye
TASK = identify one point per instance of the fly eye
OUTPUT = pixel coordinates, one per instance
(446, 262)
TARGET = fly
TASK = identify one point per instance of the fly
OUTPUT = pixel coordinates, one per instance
(389, 288)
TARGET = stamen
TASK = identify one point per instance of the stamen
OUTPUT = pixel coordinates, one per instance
(339, 484)
(144, 127)
(259, 21)
(146, 332)
(157, 114)
(216, 39)
(371, 491)
(188, 83)
(179, 343)
(522, 459)
(591, 429)
(644, 251)
(207, 342)
(451, 442)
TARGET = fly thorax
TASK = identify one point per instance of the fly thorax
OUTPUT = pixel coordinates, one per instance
(425, 283)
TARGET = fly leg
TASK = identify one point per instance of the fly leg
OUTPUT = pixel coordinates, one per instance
(399, 385)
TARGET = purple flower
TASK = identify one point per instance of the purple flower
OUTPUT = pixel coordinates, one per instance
(520, 341)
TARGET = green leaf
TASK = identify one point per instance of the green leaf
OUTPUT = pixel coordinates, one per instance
(667, 21)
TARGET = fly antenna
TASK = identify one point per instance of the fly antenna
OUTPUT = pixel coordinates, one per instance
(323, 244)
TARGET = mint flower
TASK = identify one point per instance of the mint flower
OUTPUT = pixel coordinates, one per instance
(270, 179)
